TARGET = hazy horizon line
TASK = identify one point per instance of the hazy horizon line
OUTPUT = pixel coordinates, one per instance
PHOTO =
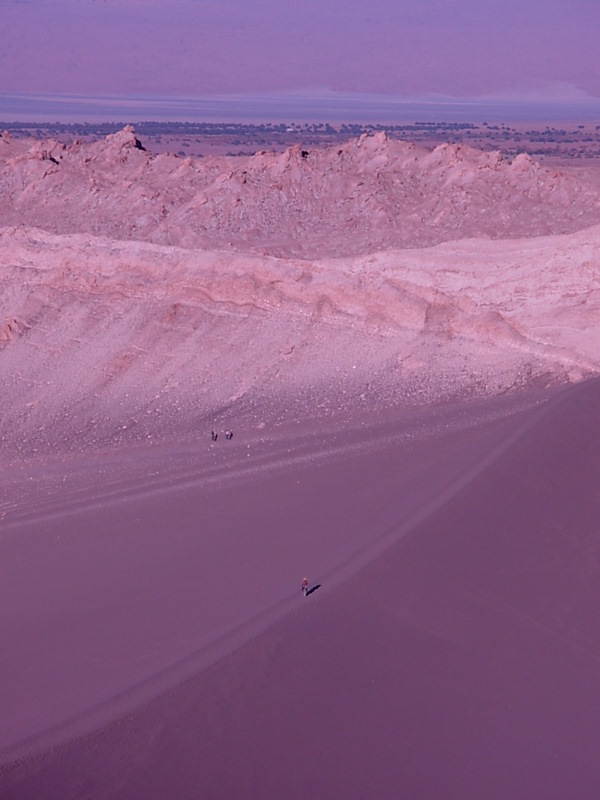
(312, 106)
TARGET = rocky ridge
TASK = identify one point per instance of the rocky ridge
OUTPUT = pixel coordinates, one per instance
(369, 194)
(148, 296)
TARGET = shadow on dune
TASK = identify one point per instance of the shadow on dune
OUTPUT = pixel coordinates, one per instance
(313, 589)
(463, 662)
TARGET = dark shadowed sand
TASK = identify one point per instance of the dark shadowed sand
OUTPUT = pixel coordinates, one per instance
(155, 642)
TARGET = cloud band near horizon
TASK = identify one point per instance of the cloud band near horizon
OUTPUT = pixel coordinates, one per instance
(456, 48)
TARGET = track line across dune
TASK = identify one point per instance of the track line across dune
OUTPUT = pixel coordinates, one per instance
(192, 472)
(116, 707)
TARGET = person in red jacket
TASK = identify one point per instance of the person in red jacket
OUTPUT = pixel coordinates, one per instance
(304, 586)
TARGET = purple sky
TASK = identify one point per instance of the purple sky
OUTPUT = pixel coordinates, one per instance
(462, 48)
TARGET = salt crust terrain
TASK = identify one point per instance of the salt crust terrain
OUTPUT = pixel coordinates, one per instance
(398, 339)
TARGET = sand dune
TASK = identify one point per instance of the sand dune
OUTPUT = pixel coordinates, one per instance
(452, 649)
(405, 345)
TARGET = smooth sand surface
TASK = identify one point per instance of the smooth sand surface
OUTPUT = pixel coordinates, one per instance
(156, 642)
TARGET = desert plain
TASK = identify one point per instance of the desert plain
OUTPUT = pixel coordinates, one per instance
(404, 341)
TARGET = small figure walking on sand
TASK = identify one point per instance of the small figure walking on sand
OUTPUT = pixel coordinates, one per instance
(228, 434)
(304, 586)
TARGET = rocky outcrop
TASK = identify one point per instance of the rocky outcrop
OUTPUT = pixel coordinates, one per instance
(370, 194)
(141, 295)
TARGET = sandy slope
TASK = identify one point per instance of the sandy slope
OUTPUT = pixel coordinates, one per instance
(460, 662)
(124, 565)
(106, 341)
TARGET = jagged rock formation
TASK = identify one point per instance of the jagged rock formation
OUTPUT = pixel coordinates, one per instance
(370, 194)
(145, 295)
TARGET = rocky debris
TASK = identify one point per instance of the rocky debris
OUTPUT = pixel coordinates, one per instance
(10, 329)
